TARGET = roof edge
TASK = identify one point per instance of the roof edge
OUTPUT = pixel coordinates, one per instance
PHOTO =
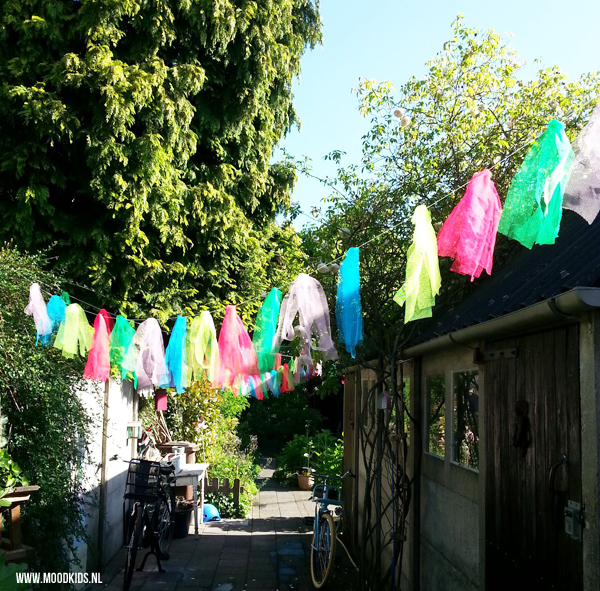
(568, 305)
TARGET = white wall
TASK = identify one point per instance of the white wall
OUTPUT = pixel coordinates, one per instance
(120, 412)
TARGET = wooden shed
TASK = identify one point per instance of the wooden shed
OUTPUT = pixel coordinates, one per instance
(505, 453)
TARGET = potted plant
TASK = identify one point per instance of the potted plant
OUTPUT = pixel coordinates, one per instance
(305, 474)
(182, 517)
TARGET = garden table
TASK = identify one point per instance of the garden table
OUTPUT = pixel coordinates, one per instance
(191, 474)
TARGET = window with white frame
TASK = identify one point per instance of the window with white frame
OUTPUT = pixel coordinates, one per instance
(465, 415)
(436, 416)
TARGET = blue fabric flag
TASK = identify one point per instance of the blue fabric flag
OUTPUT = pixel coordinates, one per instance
(57, 311)
(176, 356)
(348, 310)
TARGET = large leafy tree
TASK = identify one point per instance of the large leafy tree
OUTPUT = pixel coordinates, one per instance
(136, 138)
(475, 108)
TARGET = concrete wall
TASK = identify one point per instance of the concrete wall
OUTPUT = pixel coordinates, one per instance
(449, 495)
(120, 411)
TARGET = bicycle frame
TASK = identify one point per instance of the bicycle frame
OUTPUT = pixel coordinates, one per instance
(328, 495)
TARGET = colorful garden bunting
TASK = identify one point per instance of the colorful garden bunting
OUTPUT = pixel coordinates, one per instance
(176, 357)
(265, 329)
(37, 308)
(306, 300)
(582, 194)
(203, 349)
(146, 357)
(469, 233)
(75, 333)
(121, 337)
(238, 356)
(531, 215)
(98, 363)
(423, 279)
(348, 308)
(533, 206)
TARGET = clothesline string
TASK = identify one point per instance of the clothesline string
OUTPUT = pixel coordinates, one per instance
(335, 260)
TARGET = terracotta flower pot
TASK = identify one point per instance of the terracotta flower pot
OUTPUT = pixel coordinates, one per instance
(305, 482)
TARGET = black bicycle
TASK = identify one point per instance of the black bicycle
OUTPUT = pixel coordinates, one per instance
(148, 507)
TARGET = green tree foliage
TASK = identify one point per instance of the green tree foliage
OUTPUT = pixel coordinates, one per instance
(473, 108)
(47, 425)
(135, 143)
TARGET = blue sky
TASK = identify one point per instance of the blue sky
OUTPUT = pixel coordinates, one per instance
(392, 40)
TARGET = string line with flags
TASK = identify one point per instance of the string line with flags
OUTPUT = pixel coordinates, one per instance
(554, 175)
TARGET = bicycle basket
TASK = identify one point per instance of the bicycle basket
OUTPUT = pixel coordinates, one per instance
(143, 480)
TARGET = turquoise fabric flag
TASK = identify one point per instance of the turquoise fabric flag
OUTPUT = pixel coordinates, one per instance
(348, 309)
(263, 338)
(176, 358)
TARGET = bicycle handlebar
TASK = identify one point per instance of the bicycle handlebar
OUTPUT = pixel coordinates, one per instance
(326, 476)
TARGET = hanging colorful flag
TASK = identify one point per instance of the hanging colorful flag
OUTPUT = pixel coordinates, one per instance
(146, 357)
(121, 337)
(423, 279)
(75, 333)
(306, 299)
(98, 363)
(582, 194)
(238, 357)
(469, 233)
(37, 308)
(160, 400)
(533, 206)
(176, 357)
(203, 349)
(348, 308)
(266, 327)
(57, 309)
(287, 381)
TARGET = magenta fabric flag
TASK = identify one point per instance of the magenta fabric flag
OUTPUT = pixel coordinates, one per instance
(98, 362)
(469, 233)
(160, 400)
(236, 350)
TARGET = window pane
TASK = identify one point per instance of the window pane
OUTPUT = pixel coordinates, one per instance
(436, 417)
(465, 449)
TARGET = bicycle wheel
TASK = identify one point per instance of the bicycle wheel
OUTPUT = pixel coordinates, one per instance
(133, 543)
(164, 521)
(322, 551)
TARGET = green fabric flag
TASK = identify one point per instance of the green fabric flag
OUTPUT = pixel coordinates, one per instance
(120, 339)
(423, 280)
(533, 206)
(264, 332)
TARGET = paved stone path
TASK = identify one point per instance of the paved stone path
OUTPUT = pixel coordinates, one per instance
(268, 552)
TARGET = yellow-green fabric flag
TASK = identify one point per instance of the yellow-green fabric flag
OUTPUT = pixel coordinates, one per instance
(203, 349)
(423, 280)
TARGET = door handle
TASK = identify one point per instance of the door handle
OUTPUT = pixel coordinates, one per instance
(561, 462)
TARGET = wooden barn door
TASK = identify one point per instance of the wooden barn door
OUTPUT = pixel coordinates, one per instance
(533, 461)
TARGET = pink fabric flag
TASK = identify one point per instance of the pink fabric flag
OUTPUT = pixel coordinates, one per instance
(469, 233)
(98, 363)
(160, 400)
(236, 350)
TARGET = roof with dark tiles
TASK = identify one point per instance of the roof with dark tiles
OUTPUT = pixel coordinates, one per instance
(532, 276)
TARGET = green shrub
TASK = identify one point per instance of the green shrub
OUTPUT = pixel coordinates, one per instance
(279, 419)
(224, 503)
(324, 451)
(49, 427)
